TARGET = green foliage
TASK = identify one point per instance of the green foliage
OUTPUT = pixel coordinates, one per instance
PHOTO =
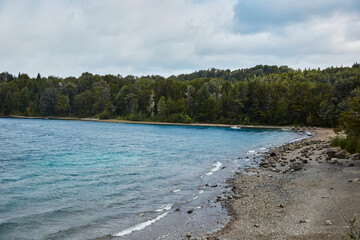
(62, 105)
(260, 95)
(349, 143)
(354, 231)
(105, 115)
(8, 104)
(83, 104)
(48, 101)
(350, 122)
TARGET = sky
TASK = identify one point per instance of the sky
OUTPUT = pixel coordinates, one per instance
(169, 37)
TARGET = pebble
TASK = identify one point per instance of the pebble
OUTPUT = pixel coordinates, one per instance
(328, 223)
(188, 235)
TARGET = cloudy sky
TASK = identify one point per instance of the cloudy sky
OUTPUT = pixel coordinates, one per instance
(166, 37)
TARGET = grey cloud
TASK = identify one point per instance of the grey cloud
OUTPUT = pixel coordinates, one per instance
(139, 37)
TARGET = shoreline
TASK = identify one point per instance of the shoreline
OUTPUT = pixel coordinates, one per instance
(275, 200)
(279, 200)
(151, 123)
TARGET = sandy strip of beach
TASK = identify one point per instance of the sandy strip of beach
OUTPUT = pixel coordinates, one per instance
(315, 200)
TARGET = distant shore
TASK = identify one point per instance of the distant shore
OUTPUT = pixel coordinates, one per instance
(150, 123)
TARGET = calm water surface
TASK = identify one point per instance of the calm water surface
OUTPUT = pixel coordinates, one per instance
(83, 180)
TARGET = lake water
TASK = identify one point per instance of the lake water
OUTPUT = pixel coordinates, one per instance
(87, 180)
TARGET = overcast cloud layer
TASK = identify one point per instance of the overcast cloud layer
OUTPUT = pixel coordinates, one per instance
(166, 37)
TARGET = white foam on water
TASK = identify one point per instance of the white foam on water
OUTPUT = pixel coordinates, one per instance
(251, 151)
(195, 197)
(262, 149)
(176, 190)
(164, 207)
(201, 191)
(299, 139)
(217, 166)
(139, 226)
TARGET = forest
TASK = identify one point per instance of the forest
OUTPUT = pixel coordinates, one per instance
(267, 95)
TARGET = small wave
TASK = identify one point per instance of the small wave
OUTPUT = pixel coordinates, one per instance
(139, 226)
(176, 190)
(217, 166)
(262, 149)
(164, 207)
(201, 191)
(194, 198)
(251, 151)
(299, 139)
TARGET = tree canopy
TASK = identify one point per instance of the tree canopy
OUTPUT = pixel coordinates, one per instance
(269, 95)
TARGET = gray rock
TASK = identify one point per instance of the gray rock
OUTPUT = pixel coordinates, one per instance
(341, 154)
(273, 154)
(296, 166)
(334, 161)
(355, 156)
(331, 152)
(304, 221)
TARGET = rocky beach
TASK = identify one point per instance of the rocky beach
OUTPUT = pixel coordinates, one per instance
(301, 190)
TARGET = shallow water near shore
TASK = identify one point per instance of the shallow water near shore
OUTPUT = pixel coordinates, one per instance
(86, 180)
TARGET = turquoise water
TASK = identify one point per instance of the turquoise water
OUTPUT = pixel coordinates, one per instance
(82, 180)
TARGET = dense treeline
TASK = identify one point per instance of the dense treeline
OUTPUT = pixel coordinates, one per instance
(258, 95)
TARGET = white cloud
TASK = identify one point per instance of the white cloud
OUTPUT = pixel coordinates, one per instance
(138, 37)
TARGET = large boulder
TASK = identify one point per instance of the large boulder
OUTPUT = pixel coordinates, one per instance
(355, 156)
(331, 152)
(341, 154)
